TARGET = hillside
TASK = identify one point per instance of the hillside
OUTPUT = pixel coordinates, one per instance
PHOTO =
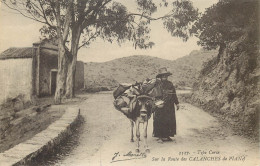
(228, 87)
(139, 67)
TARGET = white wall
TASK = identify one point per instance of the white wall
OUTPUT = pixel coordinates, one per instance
(15, 78)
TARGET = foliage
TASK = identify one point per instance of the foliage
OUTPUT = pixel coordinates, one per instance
(109, 20)
(184, 15)
(226, 22)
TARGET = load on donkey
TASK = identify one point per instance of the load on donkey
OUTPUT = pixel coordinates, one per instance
(137, 102)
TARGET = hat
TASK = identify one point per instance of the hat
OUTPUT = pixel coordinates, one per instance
(163, 71)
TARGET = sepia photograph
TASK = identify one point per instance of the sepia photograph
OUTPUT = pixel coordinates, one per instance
(129, 82)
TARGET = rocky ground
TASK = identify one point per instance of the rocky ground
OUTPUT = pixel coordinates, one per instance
(104, 139)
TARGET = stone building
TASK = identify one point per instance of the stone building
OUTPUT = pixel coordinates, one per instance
(32, 71)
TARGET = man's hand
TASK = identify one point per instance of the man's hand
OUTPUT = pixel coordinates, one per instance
(178, 106)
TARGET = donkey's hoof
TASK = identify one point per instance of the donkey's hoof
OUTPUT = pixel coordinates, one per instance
(147, 150)
(137, 150)
(132, 140)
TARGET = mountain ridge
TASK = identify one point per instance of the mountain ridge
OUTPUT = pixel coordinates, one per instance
(140, 67)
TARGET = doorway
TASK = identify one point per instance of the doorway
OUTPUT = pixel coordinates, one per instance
(53, 81)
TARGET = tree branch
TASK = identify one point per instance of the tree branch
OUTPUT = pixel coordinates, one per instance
(104, 19)
(67, 21)
(44, 15)
(96, 9)
(91, 37)
(148, 17)
(32, 18)
(53, 8)
(58, 19)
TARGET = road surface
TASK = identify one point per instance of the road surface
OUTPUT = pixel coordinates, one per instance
(104, 140)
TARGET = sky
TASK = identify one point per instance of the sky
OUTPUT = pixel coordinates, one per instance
(18, 31)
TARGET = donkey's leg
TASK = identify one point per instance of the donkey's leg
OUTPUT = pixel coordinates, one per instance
(137, 125)
(145, 137)
(132, 131)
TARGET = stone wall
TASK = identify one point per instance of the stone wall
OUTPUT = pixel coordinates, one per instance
(15, 78)
(79, 76)
(43, 143)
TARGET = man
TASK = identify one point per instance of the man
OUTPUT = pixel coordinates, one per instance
(164, 124)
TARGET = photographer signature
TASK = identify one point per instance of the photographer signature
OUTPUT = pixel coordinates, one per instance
(128, 156)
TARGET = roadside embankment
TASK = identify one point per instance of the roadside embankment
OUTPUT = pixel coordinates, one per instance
(43, 142)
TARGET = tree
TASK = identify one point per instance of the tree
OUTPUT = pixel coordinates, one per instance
(72, 21)
(226, 22)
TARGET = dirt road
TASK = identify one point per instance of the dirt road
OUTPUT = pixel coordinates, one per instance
(201, 140)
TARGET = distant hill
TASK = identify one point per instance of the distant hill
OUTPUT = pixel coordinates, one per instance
(139, 67)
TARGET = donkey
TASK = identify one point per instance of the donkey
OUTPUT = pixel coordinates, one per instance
(141, 113)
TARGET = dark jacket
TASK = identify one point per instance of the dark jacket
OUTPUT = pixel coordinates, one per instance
(164, 118)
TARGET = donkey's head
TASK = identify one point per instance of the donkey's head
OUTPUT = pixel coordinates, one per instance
(143, 107)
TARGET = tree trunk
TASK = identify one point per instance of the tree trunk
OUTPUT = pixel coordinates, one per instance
(70, 82)
(62, 74)
(62, 52)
